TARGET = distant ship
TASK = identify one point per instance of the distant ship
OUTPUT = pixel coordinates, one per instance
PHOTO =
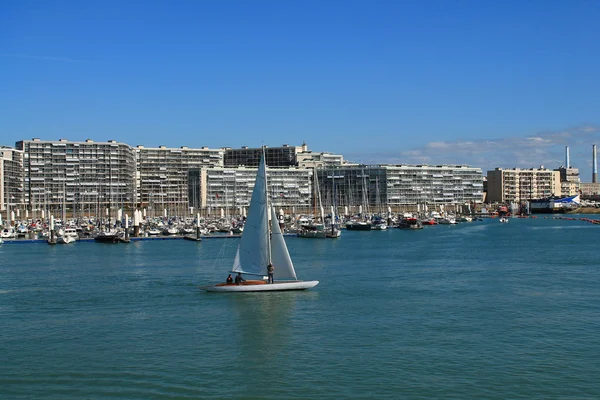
(554, 204)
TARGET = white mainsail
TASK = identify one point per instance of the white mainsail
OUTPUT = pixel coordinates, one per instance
(280, 257)
(253, 251)
(258, 247)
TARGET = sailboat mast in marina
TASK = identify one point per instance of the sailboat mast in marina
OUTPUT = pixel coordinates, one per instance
(262, 243)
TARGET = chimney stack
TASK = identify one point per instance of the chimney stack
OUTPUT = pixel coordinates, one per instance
(595, 167)
(567, 158)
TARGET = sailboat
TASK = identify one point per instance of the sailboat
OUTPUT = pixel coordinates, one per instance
(315, 229)
(259, 246)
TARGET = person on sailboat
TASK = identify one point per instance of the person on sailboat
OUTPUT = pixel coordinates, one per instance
(239, 279)
(229, 279)
(270, 271)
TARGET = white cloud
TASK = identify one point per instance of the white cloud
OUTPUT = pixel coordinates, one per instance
(543, 148)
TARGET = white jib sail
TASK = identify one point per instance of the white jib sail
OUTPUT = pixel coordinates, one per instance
(280, 257)
(253, 251)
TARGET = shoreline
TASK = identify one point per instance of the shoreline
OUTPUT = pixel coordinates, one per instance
(584, 210)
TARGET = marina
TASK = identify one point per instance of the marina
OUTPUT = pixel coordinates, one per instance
(407, 223)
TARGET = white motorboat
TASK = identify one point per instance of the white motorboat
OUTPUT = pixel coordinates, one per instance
(65, 239)
(8, 233)
(171, 231)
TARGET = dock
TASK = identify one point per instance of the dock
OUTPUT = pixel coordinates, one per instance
(131, 239)
(192, 238)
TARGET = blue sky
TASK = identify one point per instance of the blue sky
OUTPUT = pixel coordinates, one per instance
(483, 83)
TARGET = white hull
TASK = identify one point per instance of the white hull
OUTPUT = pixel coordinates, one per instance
(7, 233)
(277, 286)
(334, 234)
(65, 239)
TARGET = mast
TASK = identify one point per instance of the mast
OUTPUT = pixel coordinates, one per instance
(264, 160)
(333, 206)
(365, 198)
(320, 211)
(64, 202)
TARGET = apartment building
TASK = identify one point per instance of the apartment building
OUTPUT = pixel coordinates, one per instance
(11, 180)
(284, 156)
(231, 188)
(590, 190)
(515, 184)
(162, 176)
(89, 177)
(374, 187)
(311, 159)
(83, 177)
(569, 181)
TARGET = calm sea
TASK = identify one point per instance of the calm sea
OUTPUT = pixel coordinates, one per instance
(480, 310)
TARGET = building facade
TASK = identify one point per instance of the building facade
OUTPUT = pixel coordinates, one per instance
(87, 178)
(162, 177)
(284, 156)
(376, 187)
(311, 159)
(11, 180)
(515, 185)
(569, 181)
(230, 189)
(590, 190)
(81, 177)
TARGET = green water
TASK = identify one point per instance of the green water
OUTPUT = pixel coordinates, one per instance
(477, 310)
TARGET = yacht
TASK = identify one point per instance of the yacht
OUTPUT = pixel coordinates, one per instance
(8, 233)
(65, 239)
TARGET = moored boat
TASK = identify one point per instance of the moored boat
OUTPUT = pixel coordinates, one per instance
(108, 237)
(354, 225)
(8, 233)
(333, 232)
(409, 223)
(379, 224)
(65, 239)
(312, 231)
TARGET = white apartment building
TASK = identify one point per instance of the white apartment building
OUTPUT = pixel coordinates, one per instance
(88, 177)
(374, 187)
(514, 185)
(218, 188)
(83, 177)
(162, 176)
(590, 189)
(11, 180)
(312, 159)
(569, 181)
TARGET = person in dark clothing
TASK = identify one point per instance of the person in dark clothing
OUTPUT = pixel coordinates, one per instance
(270, 271)
(239, 279)
(229, 279)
